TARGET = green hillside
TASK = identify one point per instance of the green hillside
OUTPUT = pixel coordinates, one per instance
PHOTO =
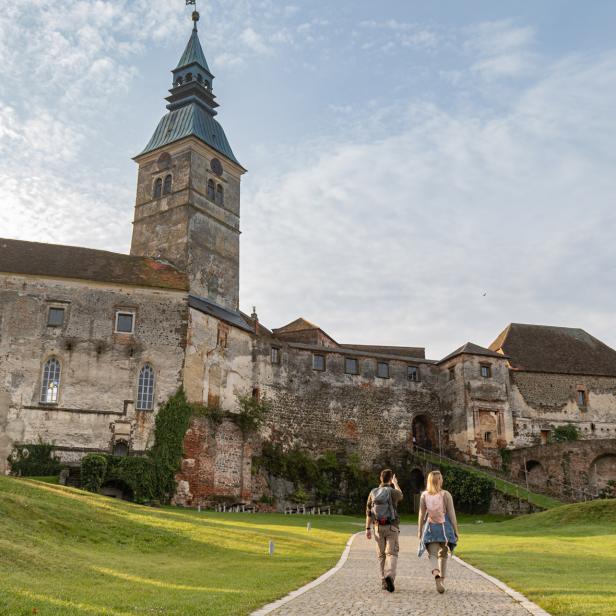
(564, 559)
(64, 551)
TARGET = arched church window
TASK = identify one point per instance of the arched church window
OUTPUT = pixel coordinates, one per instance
(207, 84)
(211, 191)
(220, 195)
(179, 81)
(145, 390)
(158, 188)
(50, 386)
(167, 186)
(199, 77)
(188, 76)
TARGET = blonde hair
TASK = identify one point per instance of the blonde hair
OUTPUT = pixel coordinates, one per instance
(435, 482)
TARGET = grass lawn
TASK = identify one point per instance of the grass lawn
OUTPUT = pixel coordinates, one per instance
(64, 551)
(563, 559)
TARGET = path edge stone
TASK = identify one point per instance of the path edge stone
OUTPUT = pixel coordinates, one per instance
(529, 606)
(270, 607)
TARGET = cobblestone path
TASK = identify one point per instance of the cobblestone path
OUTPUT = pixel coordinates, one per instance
(355, 590)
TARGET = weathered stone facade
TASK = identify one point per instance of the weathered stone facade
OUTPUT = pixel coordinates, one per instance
(181, 284)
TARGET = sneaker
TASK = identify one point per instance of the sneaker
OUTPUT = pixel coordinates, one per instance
(439, 584)
(389, 583)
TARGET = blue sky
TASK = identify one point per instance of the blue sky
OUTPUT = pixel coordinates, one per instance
(420, 173)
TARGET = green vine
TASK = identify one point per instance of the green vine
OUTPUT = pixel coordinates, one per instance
(34, 460)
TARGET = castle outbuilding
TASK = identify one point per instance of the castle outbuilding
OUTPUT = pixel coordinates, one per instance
(93, 342)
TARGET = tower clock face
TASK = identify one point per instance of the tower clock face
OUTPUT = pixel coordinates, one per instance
(216, 166)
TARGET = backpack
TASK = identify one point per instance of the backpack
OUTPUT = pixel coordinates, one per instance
(435, 506)
(382, 510)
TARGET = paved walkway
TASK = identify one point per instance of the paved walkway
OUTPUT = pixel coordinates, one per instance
(355, 590)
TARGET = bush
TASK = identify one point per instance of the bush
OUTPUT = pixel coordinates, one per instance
(565, 433)
(93, 471)
(35, 460)
(252, 413)
(471, 493)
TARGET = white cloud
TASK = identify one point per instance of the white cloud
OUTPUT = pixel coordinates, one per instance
(254, 41)
(396, 240)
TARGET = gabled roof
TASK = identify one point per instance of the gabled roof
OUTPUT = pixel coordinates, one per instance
(56, 261)
(299, 325)
(561, 350)
(193, 54)
(418, 352)
(472, 349)
(190, 120)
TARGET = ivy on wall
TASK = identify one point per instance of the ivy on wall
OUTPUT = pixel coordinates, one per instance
(34, 460)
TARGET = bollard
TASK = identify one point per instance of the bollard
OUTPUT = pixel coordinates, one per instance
(199, 508)
(309, 526)
(271, 548)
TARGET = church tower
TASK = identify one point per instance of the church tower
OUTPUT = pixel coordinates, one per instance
(187, 209)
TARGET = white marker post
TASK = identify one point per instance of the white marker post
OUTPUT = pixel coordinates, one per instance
(309, 526)
(271, 548)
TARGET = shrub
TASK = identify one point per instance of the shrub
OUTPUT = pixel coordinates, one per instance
(34, 460)
(565, 433)
(252, 413)
(93, 471)
(471, 492)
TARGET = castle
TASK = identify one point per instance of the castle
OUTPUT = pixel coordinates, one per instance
(93, 342)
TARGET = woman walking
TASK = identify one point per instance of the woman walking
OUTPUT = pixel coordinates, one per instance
(437, 527)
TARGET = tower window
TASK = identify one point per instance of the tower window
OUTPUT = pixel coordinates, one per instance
(55, 317)
(351, 365)
(145, 391)
(452, 373)
(167, 185)
(382, 370)
(158, 188)
(412, 373)
(582, 397)
(211, 191)
(188, 76)
(220, 195)
(275, 355)
(179, 81)
(318, 362)
(199, 77)
(50, 386)
(486, 371)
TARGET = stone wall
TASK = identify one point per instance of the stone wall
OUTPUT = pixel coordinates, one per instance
(100, 368)
(573, 470)
(541, 401)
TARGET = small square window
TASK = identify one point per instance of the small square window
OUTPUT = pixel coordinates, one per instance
(486, 371)
(412, 373)
(351, 365)
(382, 370)
(452, 373)
(125, 322)
(318, 362)
(55, 317)
(275, 355)
(487, 437)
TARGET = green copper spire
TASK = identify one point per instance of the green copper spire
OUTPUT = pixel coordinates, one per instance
(192, 104)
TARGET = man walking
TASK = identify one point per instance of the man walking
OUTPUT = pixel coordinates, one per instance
(382, 513)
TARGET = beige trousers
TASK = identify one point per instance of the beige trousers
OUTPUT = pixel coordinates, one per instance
(387, 547)
(438, 557)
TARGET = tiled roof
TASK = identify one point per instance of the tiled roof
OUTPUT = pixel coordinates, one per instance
(52, 260)
(388, 350)
(191, 120)
(562, 350)
(472, 349)
(299, 325)
(233, 317)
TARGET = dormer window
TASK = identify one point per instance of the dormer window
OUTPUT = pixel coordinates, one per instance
(167, 185)
(158, 188)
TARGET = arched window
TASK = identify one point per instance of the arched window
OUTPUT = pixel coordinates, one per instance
(179, 81)
(199, 77)
(50, 387)
(188, 76)
(220, 195)
(207, 84)
(145, 392)
(167, 186)
(211, 192)
(158, 188)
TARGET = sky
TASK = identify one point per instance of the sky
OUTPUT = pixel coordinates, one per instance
(419, 173)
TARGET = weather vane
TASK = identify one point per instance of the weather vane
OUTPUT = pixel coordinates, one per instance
(195, 13)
